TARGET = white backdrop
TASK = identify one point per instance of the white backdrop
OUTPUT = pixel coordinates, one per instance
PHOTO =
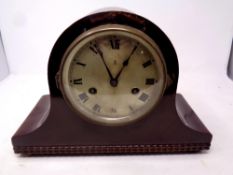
(201, 32)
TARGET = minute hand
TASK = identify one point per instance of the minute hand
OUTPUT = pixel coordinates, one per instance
(102, 58)
(126, 62)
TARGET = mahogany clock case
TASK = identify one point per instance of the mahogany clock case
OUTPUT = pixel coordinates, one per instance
(52, 128)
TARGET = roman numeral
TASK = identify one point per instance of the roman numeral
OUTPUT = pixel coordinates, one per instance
(95, 48)
(96, 108)
(143, 97)
(131, 108)
(113, 110)
(77, 81)
(81, 64)
(83, 97)
(115, 43)
(147, 63)
(150, 81)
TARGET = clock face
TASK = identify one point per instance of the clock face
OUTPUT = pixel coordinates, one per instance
(113, 74)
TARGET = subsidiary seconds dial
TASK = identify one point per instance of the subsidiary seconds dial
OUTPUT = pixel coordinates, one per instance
(113, 74)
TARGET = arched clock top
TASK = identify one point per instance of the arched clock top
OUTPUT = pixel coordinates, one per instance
(114, 17)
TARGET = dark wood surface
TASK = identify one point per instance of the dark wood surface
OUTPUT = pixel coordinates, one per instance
(57, 130)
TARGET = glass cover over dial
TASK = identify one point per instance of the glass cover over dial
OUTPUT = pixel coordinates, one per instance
(113, 74)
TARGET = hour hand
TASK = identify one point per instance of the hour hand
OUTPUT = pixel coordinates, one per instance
(126, 62)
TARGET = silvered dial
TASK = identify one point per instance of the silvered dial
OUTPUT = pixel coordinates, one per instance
(113, 74)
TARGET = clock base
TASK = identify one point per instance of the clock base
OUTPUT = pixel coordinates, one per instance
(41, 133)
(113, 149)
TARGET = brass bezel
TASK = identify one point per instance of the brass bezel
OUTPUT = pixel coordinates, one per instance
(103, 28)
